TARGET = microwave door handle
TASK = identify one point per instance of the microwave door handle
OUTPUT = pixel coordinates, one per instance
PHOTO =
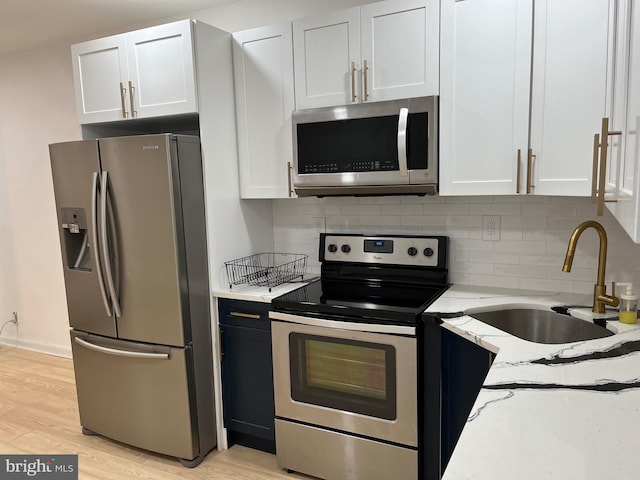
(402, 141)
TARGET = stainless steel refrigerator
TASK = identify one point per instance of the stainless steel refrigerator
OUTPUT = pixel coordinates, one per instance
(132, 229)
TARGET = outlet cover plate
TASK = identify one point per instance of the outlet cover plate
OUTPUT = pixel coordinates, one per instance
(491, 228)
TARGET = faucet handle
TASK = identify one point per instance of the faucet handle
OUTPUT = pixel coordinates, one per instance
(613, 289)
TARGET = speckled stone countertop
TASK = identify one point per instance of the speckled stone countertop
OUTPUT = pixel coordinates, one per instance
(565, 411)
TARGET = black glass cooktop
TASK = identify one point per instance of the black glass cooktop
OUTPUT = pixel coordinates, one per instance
(374, 303)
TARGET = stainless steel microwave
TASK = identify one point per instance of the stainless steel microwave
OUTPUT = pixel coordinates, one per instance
(381, 148)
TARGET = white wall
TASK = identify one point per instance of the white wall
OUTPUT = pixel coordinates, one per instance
(7, 267)
(535, 232)
(36, 101)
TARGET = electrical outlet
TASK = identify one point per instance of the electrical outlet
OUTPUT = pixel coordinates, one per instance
(491, 227)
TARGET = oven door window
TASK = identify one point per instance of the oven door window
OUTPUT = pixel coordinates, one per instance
(344, 374)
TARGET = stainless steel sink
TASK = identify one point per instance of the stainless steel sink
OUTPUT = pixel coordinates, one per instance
(541, 326)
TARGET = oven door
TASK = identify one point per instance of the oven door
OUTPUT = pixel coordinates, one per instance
(351, 377)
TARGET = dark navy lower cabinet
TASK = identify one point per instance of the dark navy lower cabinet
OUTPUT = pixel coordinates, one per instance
(453, 371)
(247, 375)
(464, 367)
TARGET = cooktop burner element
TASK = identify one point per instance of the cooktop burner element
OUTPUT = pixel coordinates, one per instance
(379, 279)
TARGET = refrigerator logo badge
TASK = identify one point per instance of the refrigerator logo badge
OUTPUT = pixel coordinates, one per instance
(151, 147)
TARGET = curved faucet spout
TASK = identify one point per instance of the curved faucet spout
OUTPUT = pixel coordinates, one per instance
(600, 297)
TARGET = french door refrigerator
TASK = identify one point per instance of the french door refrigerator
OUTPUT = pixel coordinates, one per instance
(132, 230)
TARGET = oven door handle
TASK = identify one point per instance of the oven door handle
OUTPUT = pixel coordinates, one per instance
(403, 119)
(354, 326)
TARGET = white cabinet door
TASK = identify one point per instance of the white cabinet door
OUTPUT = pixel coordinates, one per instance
(327, 59)
(400, 45)
(263, 71)
(484, 94)
(99, 70)
(161, 70)
(627, 209)
(571, 53)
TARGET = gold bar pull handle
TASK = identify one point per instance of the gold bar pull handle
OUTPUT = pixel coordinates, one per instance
(602, 174)
(518, 159)
(594, 175)
(289, 191)
(123, 92)
(365, 69)
(220, 352)
(245, 315)
(353, 82)
(530, 157)
(134, 113)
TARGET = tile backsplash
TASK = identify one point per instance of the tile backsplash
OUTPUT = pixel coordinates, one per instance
(534, 233)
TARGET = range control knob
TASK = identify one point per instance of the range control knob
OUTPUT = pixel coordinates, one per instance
(345, 248)
(428, 252)
(332, 248)
(412, 251)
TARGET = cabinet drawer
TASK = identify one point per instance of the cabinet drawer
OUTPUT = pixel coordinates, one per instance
(242, 313)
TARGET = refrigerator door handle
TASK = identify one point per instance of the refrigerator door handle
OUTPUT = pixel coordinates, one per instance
(94, 242)
(106, 257)
(121, 353)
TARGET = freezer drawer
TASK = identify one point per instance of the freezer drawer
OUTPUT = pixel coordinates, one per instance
(138, 394)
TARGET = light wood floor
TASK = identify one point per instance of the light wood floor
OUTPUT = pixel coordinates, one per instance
(39, 415)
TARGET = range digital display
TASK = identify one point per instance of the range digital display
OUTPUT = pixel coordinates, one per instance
(378, 246)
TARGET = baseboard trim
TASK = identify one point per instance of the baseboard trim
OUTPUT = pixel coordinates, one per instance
(49, 349)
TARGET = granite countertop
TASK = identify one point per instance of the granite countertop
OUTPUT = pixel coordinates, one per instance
(564, 411)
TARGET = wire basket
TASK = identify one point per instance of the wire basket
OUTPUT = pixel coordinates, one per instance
(266, 269)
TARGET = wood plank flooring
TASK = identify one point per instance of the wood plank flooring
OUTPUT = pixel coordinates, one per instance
(39, 415)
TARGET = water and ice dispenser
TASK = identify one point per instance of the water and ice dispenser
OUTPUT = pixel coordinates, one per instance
(76, 238)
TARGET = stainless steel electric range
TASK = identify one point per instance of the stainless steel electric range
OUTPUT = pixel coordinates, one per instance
(346, 357)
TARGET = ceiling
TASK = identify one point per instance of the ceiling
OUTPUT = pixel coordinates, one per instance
(31, 24)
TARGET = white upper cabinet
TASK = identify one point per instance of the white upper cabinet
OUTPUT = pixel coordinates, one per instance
(99, 70)
(571, 65)
(400, 43)
(516, 116)
(140, 74)
(627, 104)
(263, 72)
(484, 95)
(381, 51)
(327, 59)
(161, 70)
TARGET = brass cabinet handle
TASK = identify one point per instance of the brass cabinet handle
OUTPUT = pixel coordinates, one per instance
(530, 157)
(602, 174)
(518, 159)
(122, 94)
(134, 113)
(365, 69)
(290, 192)
(594, 175)
(353, 82)
(220, 352)
(245, 315)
